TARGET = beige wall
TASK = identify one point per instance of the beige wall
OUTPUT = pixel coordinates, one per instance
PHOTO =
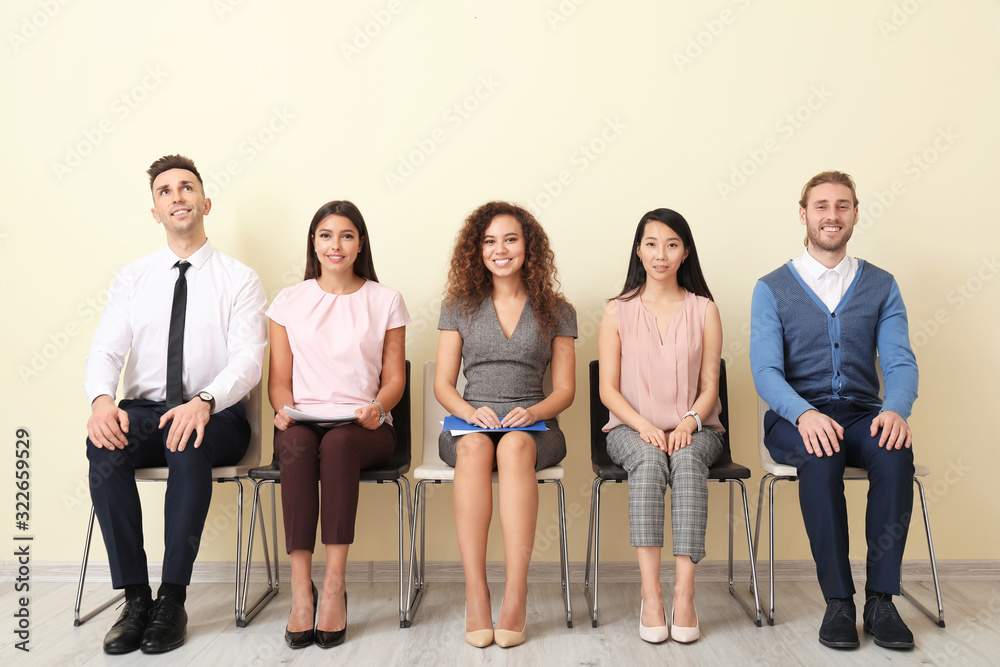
(589, 112)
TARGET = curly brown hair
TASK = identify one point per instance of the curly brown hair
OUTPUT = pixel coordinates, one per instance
(470, 282)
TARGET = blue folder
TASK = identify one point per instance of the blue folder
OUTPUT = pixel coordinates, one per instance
(452, 423)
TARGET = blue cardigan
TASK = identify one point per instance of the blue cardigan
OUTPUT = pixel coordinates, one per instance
(801, 354)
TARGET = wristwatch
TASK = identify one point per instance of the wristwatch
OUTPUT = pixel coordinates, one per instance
(208, 398)
(381, 412)
(697, 419)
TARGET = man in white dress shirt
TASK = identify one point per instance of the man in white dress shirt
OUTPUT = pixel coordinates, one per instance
(190, 321)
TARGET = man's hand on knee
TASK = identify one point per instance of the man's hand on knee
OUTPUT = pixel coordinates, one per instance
(895, 431)
(186, 419)
(819, 433)
(108, 424)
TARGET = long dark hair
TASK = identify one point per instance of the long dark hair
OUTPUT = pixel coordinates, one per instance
(689, 275)
(363, 265)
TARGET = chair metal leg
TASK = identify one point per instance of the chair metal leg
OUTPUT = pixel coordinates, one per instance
(245, 615)
(934, 572)
(563, 552)
(755, 611)
(768, 613)
(409, 503)
(401, 542)
(760, 509)
(239, 544)
(405, 620)
(423, 541)
(770, 530)
(415, 580)
(77, 619)
(593, 541)
(416, 583)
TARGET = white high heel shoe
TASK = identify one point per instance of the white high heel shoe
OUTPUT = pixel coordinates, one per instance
(655, 634)
(682, 634)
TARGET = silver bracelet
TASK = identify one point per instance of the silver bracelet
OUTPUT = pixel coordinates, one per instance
(692, 413)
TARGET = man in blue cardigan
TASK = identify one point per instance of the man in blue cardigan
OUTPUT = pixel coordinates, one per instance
(819, 325)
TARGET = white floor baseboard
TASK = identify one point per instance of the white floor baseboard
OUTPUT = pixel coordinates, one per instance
(615, 571)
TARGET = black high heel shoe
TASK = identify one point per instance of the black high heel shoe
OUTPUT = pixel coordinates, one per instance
(326, 639)
(305, 637)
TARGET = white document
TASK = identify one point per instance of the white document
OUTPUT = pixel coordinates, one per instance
(306, 418)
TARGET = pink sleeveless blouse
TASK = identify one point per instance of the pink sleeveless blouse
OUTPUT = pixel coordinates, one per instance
(660, 379)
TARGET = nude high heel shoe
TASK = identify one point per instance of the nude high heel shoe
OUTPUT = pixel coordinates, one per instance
(681, 634)
(477, 638)
(654, 634)
(509, 638)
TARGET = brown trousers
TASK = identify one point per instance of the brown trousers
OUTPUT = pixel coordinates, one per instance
(335, 456)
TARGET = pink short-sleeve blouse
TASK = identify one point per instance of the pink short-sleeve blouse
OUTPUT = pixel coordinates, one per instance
(336, 342)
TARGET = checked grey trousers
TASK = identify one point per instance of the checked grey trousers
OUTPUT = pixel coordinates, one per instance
(650, 470)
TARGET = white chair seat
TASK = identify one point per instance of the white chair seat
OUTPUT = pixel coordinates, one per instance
(442, 472)
(850, 473)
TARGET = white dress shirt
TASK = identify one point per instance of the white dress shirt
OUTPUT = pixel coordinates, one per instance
(224, 332)
(830, 285)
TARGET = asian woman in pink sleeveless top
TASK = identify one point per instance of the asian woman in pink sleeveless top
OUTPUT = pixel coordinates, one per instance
(660, 345)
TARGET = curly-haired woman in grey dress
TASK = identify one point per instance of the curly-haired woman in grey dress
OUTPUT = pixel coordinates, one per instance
(504, 318)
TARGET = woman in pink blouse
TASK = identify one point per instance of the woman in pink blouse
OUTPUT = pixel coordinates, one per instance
(337, 349)
(660, 346)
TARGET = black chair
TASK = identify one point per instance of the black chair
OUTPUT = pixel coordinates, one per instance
(392, 472)
(724, 470)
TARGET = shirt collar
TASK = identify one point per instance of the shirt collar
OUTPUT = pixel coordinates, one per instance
(815, 269)
(197, 259)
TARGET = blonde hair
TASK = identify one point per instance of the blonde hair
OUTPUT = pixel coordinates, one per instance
(835, 177)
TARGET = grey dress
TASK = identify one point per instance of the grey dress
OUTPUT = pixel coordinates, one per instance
(507, 373)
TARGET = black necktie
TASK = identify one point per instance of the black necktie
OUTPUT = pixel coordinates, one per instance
(175, 341)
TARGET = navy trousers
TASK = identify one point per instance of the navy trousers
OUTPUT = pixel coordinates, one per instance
(189, 489)
(824, 508)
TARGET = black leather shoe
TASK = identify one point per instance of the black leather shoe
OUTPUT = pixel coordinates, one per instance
(840, 624)
(883, 621)
(303, 638)
(326, 639)
(126, 634)
(167, 626)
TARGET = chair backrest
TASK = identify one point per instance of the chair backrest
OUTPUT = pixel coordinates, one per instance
(251, 458)
(434, 414)
(599, 416)
(727, 453)
(252, 403)
(401, 422)
(766, 462)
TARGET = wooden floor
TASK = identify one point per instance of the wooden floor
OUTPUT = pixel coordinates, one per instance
(972, 635)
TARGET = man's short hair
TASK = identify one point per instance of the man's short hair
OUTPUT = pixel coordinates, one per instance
(168, 162)
(835, 177)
